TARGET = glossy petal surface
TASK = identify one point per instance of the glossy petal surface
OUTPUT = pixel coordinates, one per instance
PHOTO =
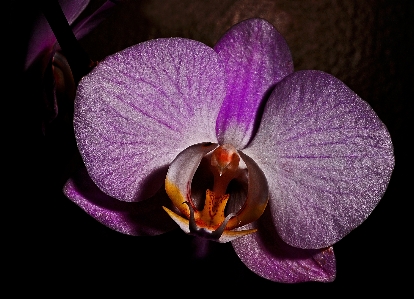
(327, 158)
(256, 57)
(132, 218)
(42, 37)
(139, 108)
(267, 255)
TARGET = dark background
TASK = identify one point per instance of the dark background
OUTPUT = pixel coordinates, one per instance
(52, 242)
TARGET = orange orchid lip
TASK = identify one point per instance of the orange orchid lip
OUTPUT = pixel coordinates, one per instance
(220, 235)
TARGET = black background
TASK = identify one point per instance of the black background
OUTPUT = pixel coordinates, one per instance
(52, 245)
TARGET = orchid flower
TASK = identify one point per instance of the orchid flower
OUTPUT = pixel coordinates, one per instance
(232, 145)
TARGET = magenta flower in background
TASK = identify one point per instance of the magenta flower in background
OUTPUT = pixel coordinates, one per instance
(43, 44)
(44, 53)
(293, 161)
(42, 41)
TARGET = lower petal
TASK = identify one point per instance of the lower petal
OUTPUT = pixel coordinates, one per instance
(132, 218)
(268, 256)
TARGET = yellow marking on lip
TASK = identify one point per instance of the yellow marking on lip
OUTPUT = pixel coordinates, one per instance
(230, 235)
(181, 221)
(246, 215)
(177, 198)
(212, 215)
(227, 235)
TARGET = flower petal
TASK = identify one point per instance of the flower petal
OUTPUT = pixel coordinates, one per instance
(327, 157)
(139, 108)
(256, 57)
(132, 218)
(42, 36)
(267, 255)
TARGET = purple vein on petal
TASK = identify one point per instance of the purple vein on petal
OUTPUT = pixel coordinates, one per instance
(135, 111)
(328, 171)
(256, 57)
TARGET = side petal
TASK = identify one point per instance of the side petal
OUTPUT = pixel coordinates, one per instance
(256, 57)
(139, 108)
(268, 256)
(327, 157)
(132, 218)
(43, 38)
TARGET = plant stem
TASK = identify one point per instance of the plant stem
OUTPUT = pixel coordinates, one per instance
(78, 59)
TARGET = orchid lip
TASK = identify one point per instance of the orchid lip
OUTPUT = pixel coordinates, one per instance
(205, 233)
(217, 235)
(216, 218)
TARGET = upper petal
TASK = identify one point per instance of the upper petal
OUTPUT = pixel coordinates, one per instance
(256, 57)
(327, 157)
(132, 218)
(142, 106)
(42, 36)
(267, 255)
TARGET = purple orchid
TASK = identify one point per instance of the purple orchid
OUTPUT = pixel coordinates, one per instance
(235, 146)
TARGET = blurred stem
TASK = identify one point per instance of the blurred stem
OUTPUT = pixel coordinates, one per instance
(78, 59)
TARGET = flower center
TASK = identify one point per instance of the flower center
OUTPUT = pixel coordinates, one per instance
(225, 167)
(211, 222)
